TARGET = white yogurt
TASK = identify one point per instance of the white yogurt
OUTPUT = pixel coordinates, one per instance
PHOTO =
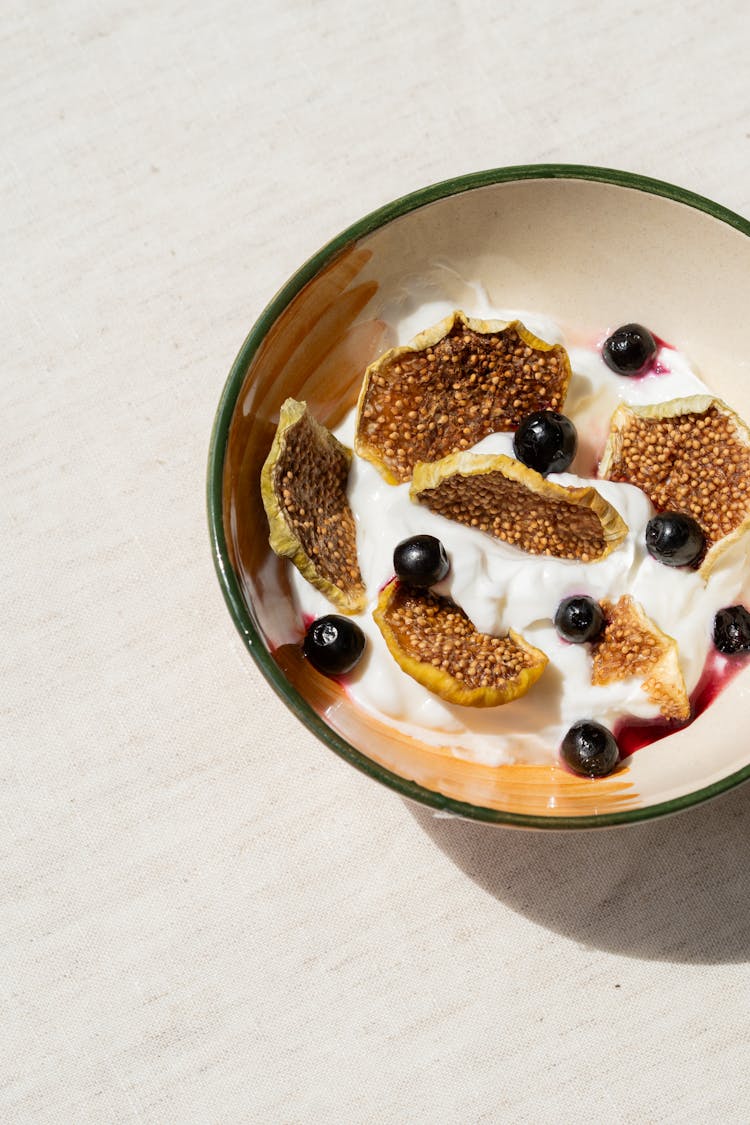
(500, 587)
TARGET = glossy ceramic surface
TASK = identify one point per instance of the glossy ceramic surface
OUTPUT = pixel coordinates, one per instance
(591, 248)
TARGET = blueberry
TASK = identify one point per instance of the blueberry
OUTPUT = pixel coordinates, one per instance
(590, 749)
(674, 538)
(546, 441)
(630, 350)
(421, 560)
(732, 630)
(333, 645)
(579, 619)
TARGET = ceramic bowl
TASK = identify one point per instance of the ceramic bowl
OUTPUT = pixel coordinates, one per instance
(588, 247)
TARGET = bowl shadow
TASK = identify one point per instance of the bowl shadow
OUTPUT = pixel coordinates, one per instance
(673, 889)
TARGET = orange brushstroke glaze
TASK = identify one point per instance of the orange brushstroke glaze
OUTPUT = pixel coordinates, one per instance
(532, 790)
(316, 350)
(289, 334)
(334, 386)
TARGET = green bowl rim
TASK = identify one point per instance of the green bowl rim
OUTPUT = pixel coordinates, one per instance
(228, 580)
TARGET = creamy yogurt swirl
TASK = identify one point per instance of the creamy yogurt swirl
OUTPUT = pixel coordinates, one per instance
(500, 587)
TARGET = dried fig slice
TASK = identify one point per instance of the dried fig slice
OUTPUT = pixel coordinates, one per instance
(688, 455)
(632, 645)
(504, 498)
(303, 485)
(436, 644)
(454, 384)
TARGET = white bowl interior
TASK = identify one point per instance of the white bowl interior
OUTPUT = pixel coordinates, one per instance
(590, 255)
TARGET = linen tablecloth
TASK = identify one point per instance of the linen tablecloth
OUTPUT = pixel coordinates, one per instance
(205, 915)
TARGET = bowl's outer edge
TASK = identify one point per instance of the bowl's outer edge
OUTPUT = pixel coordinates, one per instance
(219, 435)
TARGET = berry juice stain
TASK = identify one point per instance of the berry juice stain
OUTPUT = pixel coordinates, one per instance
(660, 343)
(659, 365)
(661, 359)
(718, 673)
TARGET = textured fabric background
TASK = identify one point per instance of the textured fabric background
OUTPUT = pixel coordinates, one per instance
(205, 915)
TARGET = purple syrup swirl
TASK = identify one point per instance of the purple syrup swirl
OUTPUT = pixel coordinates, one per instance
(718, 672)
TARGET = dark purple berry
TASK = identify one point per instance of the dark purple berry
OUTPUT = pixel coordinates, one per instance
(732, 630)
(590, 749)
(333, 645)
(630, 350)
(546, 441)
(579, 619)
(674, 539)
(421, 560)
